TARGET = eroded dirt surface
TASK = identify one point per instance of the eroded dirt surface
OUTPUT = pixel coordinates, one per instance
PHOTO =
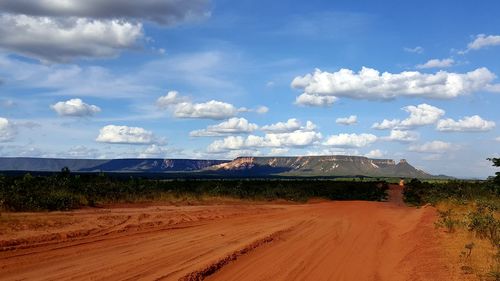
(352, 240)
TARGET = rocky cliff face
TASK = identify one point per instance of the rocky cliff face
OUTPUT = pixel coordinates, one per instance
(335, 165)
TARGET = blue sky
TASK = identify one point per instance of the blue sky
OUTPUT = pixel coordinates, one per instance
(216, 79)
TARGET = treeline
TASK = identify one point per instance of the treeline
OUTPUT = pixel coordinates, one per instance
(66, 191)
(417, 192)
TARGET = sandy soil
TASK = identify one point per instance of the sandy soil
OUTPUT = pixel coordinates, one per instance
(352, 240)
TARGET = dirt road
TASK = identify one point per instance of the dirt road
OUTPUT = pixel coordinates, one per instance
(323, 241)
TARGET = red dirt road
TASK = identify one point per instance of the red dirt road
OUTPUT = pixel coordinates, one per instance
(324, 241)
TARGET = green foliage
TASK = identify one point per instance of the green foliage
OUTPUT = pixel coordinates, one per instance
(496, 163)
(418, 193)
(483, 223)
(67, 191)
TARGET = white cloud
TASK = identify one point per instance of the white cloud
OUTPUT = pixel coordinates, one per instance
(272, 140)
(353, 119)
(386, 124)
(483, 41)
(370, 84)
(55, 40)
(432, 147)
(209, 110)
(290, 125)
(232, 126)
(75, 108)
(7, 130)
(262, 109)
(420, 115)
(125, 135)
(228, 143)
(417, 50)
(377, 153)
(282, 127)
(315, 100)
(467, 124)
(401, 136)
(436, 63)
(183, 108)
(497, 139)
(165, 12)
(171, 98)
(350, 140)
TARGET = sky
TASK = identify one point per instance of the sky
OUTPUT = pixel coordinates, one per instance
(220, 79)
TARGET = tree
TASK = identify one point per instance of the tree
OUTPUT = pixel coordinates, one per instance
(496, 163)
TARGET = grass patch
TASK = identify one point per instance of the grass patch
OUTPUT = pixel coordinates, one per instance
(469, 213)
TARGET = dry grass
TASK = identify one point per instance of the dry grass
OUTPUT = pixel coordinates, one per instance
(474, 257)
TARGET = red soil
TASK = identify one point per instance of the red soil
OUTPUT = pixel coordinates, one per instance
(352, 240)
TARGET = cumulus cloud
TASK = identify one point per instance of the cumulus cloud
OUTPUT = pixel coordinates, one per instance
(386, 124)
(272, 140)
(7, 130)
(232, 126)
(467, 124)
(183, 108)
(54, 40)
(436, 63)
(315, 100)
(125, 135)
(420, 115)
(165, 12)
(351, 120)
(171, 98)
(377, 153)
(209, 110)
(417, 50)
(401, 136)
(351, 140)
(290, 125)
(370, 84)
(482, 41)
(281, 127)
(75, 108)
(61, 31)
(432, 147)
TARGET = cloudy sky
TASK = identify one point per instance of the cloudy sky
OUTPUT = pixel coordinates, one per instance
(216, 79)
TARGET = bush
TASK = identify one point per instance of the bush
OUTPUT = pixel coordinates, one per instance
(65, 191)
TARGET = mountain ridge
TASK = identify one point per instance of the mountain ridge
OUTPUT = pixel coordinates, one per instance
(307, 166)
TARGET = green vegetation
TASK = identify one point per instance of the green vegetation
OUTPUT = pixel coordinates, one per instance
(66, 191)
(471, 206)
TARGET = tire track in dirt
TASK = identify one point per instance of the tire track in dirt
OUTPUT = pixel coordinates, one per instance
(351, 240)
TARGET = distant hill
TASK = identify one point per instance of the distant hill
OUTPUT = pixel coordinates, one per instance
(329, 166)
(335, 165)
(113, 165)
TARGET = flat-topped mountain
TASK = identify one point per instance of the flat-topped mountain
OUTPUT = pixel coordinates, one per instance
(333, 165)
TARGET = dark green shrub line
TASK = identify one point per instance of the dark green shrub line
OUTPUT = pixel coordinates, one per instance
(66, 191)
